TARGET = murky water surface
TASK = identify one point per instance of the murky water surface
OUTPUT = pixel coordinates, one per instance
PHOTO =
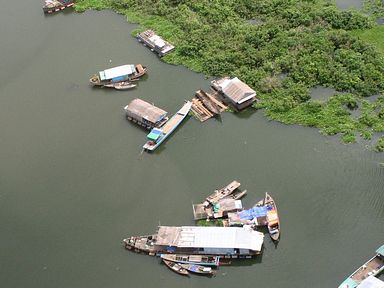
(73, 181)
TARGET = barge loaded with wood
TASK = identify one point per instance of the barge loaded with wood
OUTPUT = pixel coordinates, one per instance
(113, 77)
(158, 135)
(155, 42)
(364, 276)
(51, 6)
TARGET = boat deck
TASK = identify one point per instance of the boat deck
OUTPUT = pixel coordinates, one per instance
(172, 123)
(372, 267)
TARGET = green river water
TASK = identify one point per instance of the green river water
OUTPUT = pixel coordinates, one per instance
(74, 183)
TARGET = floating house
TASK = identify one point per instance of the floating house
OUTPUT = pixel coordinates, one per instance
(155, 42)
(229, 242)
(145, 114)
(235, 92)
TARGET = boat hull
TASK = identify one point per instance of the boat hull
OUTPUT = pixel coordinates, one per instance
(205, 260)
(173, 123)
(273, 228)
(176, 267)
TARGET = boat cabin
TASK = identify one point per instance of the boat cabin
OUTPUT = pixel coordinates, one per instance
(145, 114)
(235, 92)
(155, 134)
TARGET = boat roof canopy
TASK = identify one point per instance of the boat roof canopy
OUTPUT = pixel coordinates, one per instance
(154, 134)
(210, 237)
(371, 282)
(117, 72)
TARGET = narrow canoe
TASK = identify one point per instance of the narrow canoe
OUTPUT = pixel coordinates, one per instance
(176, 267)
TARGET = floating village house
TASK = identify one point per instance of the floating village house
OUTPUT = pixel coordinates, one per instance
(145, 114)
(231, 242)
(155, 42)
(235, 92)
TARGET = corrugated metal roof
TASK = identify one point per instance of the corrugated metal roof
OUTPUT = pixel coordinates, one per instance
(237, 90)
(145, 110)
(210, 237)
(117, 72)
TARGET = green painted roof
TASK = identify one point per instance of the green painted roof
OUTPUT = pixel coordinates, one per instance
(380, 250)
(348, 283)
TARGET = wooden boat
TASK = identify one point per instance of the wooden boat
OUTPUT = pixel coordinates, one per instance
(123, 73)
(176, 267)
(222, 193)
(145, 244)
(199, 269)
(372, 267)
(51, 6)
(125, 85)
(207, 102)
(272, 217)
(158, 135)
(204, 260)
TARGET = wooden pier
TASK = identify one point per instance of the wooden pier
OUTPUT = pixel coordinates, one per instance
(206, 105)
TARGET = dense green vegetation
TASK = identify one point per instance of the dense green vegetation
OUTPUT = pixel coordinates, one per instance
(281, 48)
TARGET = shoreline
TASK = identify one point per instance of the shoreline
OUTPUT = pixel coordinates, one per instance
(283, 56)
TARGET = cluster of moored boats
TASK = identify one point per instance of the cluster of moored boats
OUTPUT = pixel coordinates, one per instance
(202, 249)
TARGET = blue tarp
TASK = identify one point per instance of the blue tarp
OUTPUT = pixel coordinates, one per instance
(253, 213)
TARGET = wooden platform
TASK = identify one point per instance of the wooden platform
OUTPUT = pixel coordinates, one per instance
(213, 104)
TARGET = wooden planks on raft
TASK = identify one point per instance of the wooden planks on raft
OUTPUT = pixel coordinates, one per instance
(206, 105)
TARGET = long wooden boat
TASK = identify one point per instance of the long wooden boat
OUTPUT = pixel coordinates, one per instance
(372, 267)
(51, 6)
(272, 217)
(204, 260)
(176, 267)
(222, 193)
(198, 269)
(158, 135)
(123, 73)
(125, 85)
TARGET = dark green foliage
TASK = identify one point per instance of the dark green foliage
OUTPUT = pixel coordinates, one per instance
(307, 41)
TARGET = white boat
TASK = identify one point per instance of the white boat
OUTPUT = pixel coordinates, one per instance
(158, 135)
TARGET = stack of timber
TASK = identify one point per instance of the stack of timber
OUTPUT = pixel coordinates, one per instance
(206, 105)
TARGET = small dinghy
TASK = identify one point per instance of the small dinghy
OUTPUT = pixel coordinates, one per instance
(199, 269)
(121, 85)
